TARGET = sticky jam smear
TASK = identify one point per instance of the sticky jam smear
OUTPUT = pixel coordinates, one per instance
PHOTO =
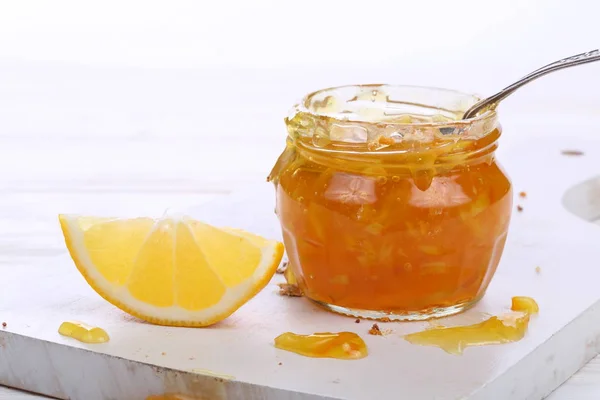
(83, 332)
(342, 345)
(507, 328)
(525, 304)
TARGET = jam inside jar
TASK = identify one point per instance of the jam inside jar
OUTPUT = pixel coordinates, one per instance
(391, 206)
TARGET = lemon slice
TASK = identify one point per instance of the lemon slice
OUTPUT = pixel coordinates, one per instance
(170, 271)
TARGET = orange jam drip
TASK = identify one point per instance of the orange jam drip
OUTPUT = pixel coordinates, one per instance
(342, 345)
(495, 330)
(524, 304)
(83, 332)
(405, 231)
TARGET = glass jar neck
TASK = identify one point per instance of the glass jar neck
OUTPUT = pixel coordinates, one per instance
(383, 118)
(370, 128)
(400, 157)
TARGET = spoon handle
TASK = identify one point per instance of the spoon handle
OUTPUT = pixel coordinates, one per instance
(492, 101)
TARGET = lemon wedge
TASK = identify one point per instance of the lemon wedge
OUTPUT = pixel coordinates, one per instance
(170, 271)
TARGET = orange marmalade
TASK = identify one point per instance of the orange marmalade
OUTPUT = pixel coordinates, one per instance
(390, 204)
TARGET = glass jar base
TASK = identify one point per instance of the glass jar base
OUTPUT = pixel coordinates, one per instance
(438, 312)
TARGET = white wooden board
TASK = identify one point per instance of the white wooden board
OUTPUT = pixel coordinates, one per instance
(40, 288)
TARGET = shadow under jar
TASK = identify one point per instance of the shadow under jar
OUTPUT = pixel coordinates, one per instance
(390, 205)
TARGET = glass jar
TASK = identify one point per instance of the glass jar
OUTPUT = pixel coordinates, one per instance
(391, 206)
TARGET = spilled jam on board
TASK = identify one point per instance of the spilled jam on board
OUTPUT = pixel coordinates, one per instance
(506, 328)
(342, 345)
(524, 304)
(83, 332)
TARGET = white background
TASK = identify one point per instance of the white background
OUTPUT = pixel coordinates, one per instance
(268, 34)
(471, 45)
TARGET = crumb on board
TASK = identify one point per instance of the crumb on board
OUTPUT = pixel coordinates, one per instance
(4, 325)
(281, 269)
(375, 330)
(163, 353)
(538, 269)
(285, 289)
(572, 153)
(280, 363)
(192, 358)
(519, 208)
(357, 321)
(385, 319)
(522, 195)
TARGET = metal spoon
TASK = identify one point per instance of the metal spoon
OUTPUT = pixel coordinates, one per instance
(492, 101)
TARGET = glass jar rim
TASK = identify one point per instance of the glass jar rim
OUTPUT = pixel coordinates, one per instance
(366, 113)
(469, 100)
